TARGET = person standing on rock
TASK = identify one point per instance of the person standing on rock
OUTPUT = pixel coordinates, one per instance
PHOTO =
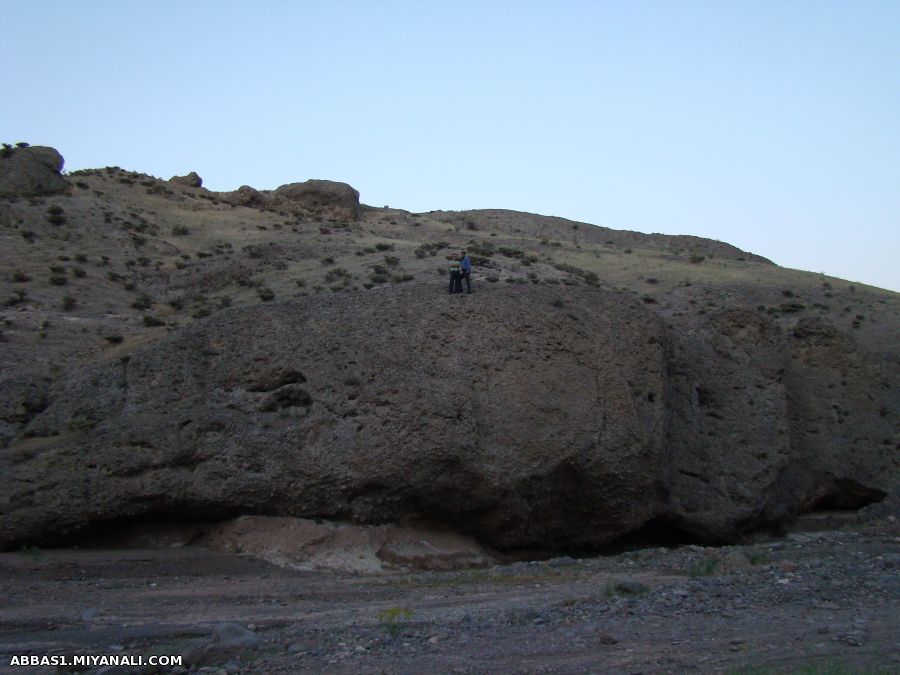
(455, 283)
(466, 272)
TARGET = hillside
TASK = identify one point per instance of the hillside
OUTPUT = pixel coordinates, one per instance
(178, 349)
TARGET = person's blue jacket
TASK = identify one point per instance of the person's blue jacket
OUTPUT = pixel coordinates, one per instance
(466, 264)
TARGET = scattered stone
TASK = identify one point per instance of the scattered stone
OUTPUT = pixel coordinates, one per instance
(607, 639)
(630, 587)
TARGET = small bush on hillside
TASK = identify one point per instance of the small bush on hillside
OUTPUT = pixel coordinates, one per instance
(265, 293)
(16, 298)
(59, 279)
(151, 321)
(68, 302)
(384, 247)
(20, 277)
(55, 215)
(180, 231)
(697, 259)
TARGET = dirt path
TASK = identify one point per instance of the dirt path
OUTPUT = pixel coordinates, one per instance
(813, 600)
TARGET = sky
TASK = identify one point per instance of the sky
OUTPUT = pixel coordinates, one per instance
(774, 126)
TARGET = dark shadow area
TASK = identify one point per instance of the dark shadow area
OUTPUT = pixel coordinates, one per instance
(847, 495)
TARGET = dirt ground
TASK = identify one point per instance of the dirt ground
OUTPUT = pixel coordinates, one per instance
(809, 602)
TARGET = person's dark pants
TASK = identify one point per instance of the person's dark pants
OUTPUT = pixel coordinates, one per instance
(465, 275)
(455, 284)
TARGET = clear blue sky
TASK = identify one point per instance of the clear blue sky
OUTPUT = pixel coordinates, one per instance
(774, 126)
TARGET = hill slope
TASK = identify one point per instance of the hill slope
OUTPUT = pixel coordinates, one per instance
(170, 349)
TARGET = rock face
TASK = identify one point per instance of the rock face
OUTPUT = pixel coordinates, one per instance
(321, 198)
(31, 172)
(191, 180)
(534, 429)
(532, 424)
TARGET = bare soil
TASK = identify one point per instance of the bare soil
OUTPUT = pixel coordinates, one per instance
(809, 602)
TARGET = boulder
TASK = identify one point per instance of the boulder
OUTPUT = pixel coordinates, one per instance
(765, 423)
(246, 196)
(321, 198)
(190, 180)
(537, 428)
(535, 424)
(31, 172)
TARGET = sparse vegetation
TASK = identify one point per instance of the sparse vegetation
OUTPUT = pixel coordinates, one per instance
(391, 619)
(55, 215)
(704, 568)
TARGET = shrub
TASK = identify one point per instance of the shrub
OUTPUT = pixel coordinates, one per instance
(704, 568)
(180, 231)
(328, 261)
(55, 215)
(20, 277)
(337, 274)
(16, 298)
(391, 619)
(114, 339)
(68, 302)
(151, 321)
(391, 260)
(59, 279)
(79, 272)
(265, 293)
(142, 302)
(80, 257)
(697, 259)
(384, 247)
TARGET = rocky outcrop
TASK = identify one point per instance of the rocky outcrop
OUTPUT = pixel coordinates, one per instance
(246, 196)
(190, 180)
(31, 172)
(533, 428)
(321, 198)
(517, 419)
(753, 433)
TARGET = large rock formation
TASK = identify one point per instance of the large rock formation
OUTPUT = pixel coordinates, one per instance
(190, 180)
(516, 418)
(321, 198)
(31, 172)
